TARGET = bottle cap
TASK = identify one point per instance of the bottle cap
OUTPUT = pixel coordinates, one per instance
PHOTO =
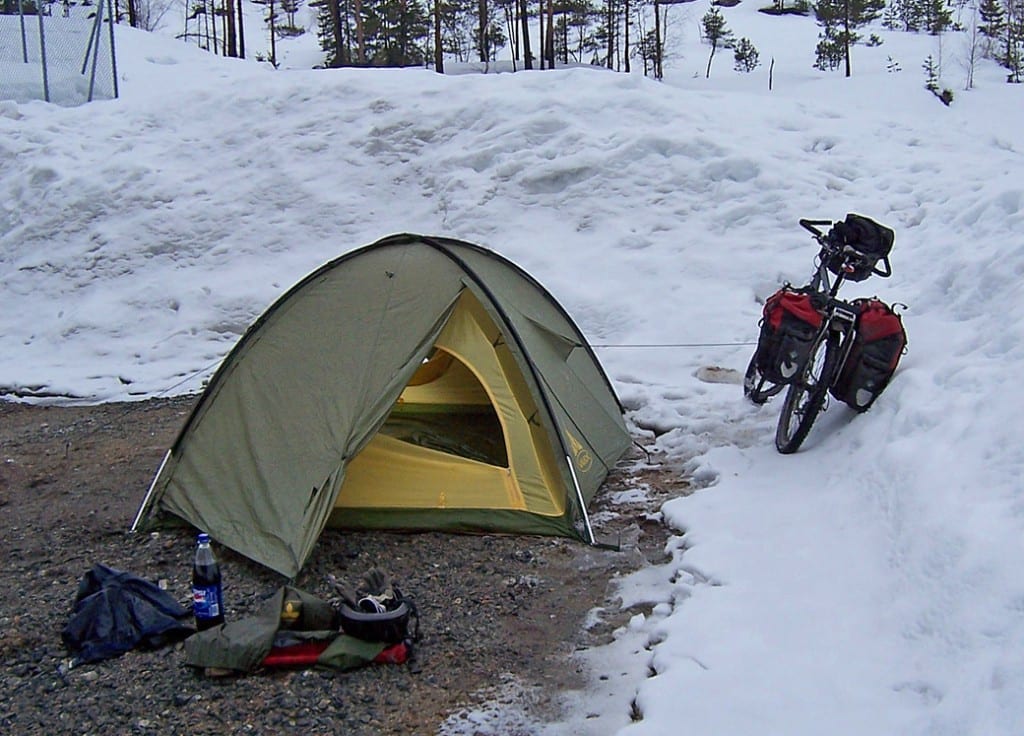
(204, 538)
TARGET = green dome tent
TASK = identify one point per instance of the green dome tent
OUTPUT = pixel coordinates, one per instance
(416, 383)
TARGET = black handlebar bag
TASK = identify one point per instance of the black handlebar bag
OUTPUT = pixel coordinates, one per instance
(870, 239)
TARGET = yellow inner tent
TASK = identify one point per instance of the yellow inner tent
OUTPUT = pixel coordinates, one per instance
(460, 435)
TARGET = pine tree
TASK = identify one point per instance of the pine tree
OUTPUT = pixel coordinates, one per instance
(828, 54)
(1013, 50)
(840, 20)
(289, 26)
(931, 74)
(936, 16)
(745, 56)
(891, 16)
(331, 33)
(388, 33)
(972, 47)
(400, 30)
(912, 14)
(716, 32)
(574, 36)
(459, 28)
(992, 23)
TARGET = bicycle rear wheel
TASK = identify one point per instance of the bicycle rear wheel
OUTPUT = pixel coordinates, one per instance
(755, 386)
(806, 395)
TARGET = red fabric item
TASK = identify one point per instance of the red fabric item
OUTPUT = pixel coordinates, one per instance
(877, 321)
(395, 654)
(296, 655)
(306, 654)
(799, 305)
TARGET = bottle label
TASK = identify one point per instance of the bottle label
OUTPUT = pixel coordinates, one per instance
(205, 601)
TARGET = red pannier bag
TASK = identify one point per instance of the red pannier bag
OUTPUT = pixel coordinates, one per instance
(881, 342)
(788, 326)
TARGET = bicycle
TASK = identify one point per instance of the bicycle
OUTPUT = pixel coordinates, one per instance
(811, 361)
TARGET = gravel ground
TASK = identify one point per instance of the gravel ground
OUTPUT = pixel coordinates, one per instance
(493, 609)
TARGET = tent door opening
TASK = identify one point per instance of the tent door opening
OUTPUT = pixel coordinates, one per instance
(446, 408)
(461, 435)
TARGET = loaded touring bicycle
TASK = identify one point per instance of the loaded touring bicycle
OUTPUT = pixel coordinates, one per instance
(813, 344)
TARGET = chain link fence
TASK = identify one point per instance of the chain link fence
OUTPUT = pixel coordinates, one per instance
(57, 50)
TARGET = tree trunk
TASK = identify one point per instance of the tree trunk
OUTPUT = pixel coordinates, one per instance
(513, 32)
(204, 33)
(229, 30)
(360, 38)
(542, 38)
(524, 16)
(213, 23)
(273, 35)
(241, 32)
(846, 40)
(657, 40)
(438, 48)
(551, 34)
(482, 38)
(626, 40)
(610, 20)
(565, 36)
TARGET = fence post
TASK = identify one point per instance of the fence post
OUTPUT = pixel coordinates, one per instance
(94, 43)
(113, 52)
(24, 37)
(42, 52)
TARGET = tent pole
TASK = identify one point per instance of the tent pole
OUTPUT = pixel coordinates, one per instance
(149, 493)
(579, 495)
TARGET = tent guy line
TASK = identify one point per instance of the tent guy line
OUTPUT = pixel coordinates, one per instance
(677, 345)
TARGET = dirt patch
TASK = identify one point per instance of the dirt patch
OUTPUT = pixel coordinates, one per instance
(491, 607)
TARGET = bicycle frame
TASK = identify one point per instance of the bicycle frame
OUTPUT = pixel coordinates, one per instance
(840, 317)
(843, 321)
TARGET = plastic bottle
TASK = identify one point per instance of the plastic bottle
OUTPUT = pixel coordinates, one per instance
(207, 592)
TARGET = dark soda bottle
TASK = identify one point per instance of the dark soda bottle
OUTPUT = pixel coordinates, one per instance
(207, 592)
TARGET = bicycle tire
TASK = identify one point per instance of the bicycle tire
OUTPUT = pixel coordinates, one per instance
(806, 395)
(755, 386)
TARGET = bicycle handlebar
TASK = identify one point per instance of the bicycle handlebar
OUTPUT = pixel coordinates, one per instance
(812, 226)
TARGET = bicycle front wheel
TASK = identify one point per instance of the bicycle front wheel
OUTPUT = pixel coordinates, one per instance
(806, 396)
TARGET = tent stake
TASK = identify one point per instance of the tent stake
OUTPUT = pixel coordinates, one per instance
(149, 493)
(579, 495)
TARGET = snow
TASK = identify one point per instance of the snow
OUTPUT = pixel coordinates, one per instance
(868, 584)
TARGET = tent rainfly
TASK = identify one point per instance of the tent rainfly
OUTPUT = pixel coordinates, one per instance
(418, 383)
